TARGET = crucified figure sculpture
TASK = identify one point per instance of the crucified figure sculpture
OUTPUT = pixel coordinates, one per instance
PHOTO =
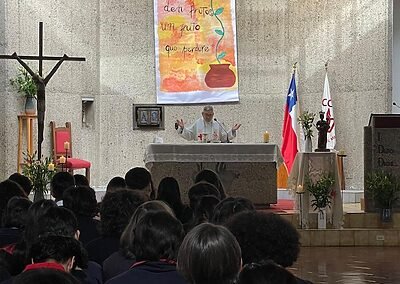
(41, 94)
(41, 81)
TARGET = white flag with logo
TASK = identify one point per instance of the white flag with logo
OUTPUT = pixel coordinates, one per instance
(327, 107)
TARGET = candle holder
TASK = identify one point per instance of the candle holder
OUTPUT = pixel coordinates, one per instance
(66, 158)
(62, 161)
(66, 148)
(300, 193)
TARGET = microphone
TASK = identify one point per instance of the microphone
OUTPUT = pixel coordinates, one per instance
(396, 105)
(223, 128)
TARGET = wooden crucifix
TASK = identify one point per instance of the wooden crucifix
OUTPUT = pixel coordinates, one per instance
(40, 81)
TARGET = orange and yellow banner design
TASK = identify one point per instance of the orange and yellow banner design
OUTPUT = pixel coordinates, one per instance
(195, 51)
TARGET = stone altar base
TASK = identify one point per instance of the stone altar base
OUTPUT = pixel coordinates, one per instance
(255, 181)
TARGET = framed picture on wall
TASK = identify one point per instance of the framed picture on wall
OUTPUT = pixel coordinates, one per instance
(148, 116)
(155, 116)
(143, 116)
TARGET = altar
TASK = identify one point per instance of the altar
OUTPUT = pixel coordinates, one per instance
(247, 170)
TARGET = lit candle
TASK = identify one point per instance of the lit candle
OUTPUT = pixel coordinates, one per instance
(266, 137)
(50, 167)
(66, 145)
(300, 189)
(62, 160)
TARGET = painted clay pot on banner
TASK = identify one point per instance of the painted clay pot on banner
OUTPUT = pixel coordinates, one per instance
(220, 76)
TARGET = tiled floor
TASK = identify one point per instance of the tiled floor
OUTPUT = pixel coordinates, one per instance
(348, 265)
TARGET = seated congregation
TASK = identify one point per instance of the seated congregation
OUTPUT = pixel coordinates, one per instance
(141, 234)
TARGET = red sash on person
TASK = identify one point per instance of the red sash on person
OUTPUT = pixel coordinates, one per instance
(48, 265)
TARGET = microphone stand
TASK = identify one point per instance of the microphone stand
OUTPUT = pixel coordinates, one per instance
(223, 128)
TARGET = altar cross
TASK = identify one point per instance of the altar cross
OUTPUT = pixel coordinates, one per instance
(40, 81)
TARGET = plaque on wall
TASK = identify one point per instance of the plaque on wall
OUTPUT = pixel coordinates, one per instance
(148, 116)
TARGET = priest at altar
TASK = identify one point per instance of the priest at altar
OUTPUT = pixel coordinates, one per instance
(206, 128)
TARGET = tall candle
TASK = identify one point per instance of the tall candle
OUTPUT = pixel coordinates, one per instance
(66, 145)
(266, 137)
(62, 160)
(300, 189)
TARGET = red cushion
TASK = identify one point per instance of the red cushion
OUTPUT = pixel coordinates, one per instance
(77, 164)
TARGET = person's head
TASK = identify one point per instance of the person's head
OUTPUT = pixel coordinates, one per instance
(208, 113)
(116, 210)
(45, 276)
(229, 207)
(16, 212)
(204, 210)
(9, 189)
(116, 183)
(81, 180)
(268, 272)
(128, 234)
(168, 191)
(140, 179)
(157, 235)
(35, 211)
(59, 249)
(59, 183)
(23, 181)
(209, 254)
(81, 200)
(211, 177)
(265, 236)
(201, 189)
(58, 221)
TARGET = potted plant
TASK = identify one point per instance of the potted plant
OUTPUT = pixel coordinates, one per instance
(322, 192)
(40, 172)
(383, 188)
(25, 84)
(306, 120)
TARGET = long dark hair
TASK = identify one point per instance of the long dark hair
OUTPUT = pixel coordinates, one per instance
(169, 192)
(158, 235)
(213, 178)
(209, 254)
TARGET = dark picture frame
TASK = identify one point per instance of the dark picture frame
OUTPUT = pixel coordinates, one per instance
(148, 116)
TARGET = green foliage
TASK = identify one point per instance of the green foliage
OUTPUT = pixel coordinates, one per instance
(306, 120)
(219, 11)
(221, 55)
(24, 84)
(321, 190)
(220, 32)
(38, 172)
(383, 187)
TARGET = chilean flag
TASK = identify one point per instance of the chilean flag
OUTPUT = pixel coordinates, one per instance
(290, 126)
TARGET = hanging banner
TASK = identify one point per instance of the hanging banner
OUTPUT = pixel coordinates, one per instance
(195, 48)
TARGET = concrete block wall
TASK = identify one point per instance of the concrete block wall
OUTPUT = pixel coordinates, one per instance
(117, 38)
